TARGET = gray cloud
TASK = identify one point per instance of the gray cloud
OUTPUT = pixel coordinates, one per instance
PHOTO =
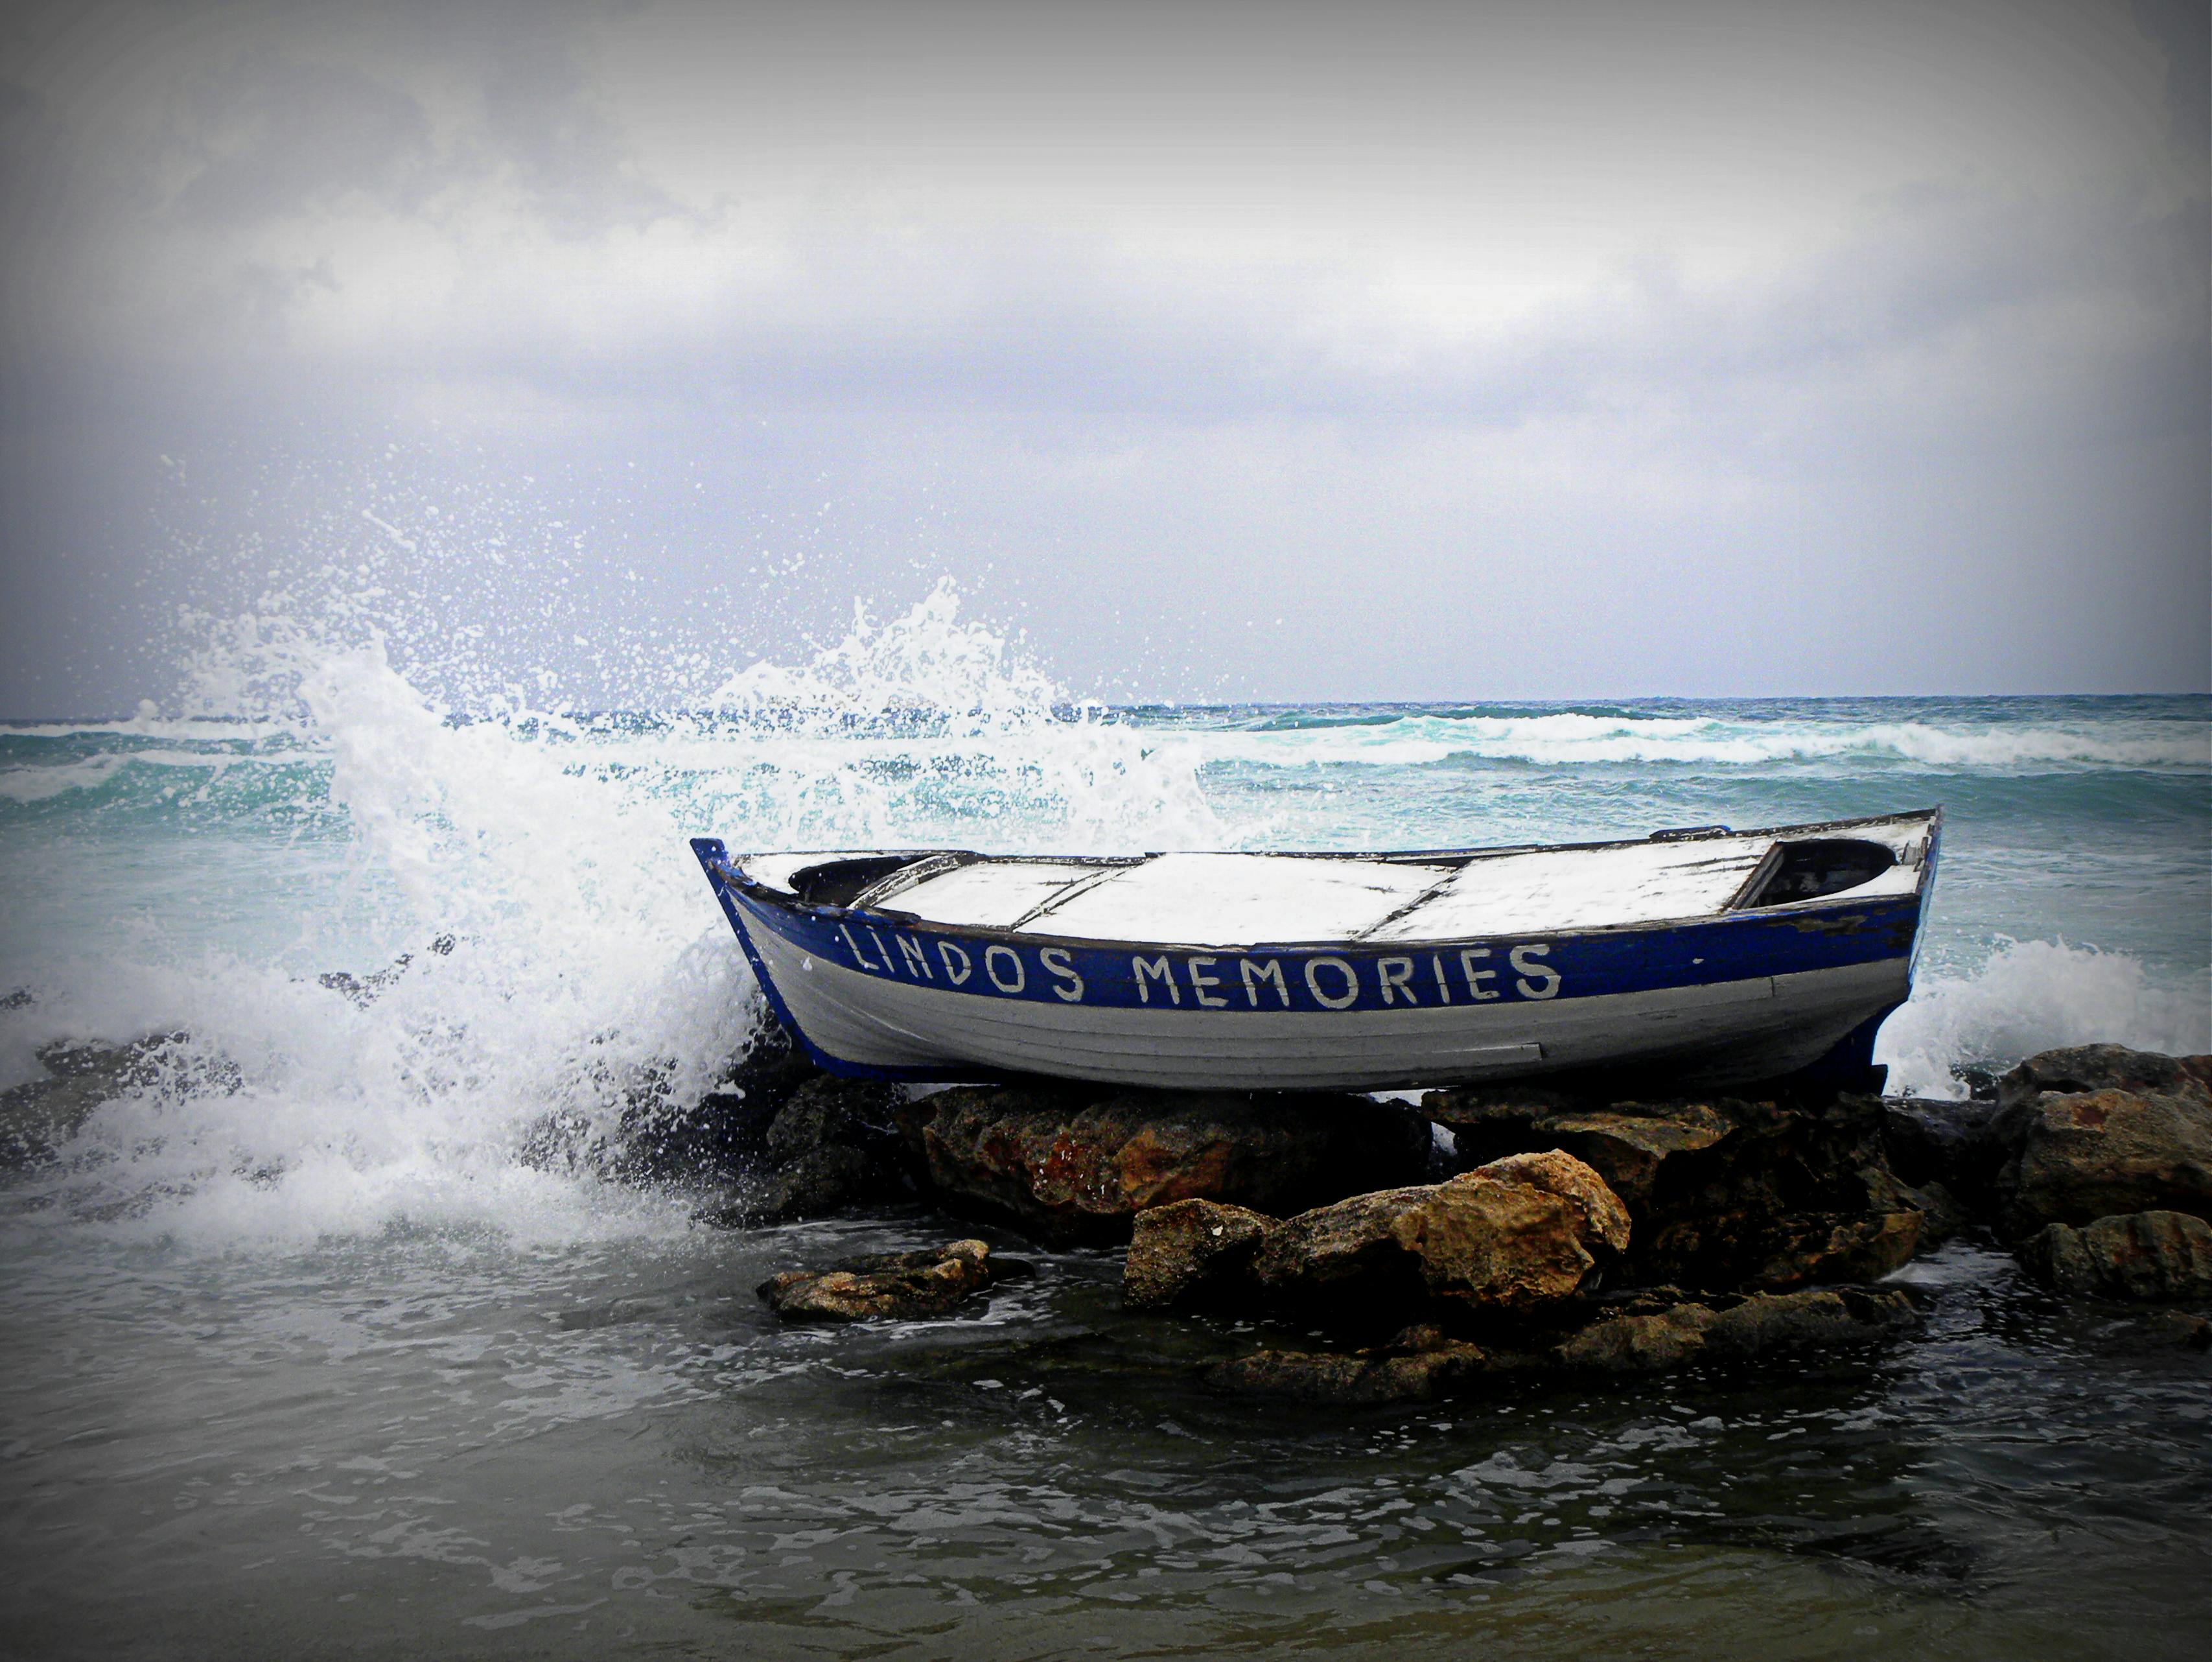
(837, 313)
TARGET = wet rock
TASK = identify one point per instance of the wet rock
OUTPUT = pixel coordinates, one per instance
(2181, 1327)
(2153, 1257)
(2079, 1068)
(1724, 1193)
(1935, 1141)
(1487, 1243)
(1191, 1253)
(2100, 1131)
(1626, 1145)
(1357, 1379)
(1737, 1331)
(726, 1130)
(1654, 1337)
(897, 1285)
(1558, 1172)
(40, 1115)
(1068, 1165)
(1941, 1217)
(833, 1144)
(364, 990)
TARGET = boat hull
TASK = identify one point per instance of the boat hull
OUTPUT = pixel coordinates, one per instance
(1715, 1002)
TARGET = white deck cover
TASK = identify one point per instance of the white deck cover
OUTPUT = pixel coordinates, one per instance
(1244, 899)
(1236, 899)
(1557, 889)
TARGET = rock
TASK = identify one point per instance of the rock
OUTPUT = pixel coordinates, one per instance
(902, 1285)
(1737, 1331)
(2082, 1068)
(2181, 1327)
(1625, 1146)
(40, 1115)
(1560, 1174)
(2152, 1256)
(1941, 1217)
(833, 1144)
(1659, 1335)
(1486, 1243)
(2075, 1147)
(1070, 1165)
(1357, 1379)
(726, 1130)
(1725, 1194)
(1189, 1253)
(363, 989)
(1930, 1139)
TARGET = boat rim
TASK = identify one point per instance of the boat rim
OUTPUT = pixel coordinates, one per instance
(712, 853)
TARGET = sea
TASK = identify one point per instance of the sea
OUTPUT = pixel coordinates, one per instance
(309, 1347)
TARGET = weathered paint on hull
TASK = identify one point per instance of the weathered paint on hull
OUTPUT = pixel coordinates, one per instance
(874, 997)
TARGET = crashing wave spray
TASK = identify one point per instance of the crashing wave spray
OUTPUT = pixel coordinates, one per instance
(588, 964)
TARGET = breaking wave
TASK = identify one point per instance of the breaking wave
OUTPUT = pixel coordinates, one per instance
(2035, 995)
(1747, 740)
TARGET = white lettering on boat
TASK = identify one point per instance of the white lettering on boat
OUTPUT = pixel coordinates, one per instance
(1391, 975)
(1475, 978)
(1200, 980)
(1159, 967)
(1254, 973)
(991, 957)
(1351, 993)
(858, 957)
(1062, 967)
(1545, 978)
(1333, 982)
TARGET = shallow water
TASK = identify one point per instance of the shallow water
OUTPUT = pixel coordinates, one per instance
(430, 1444)
(303, 1355)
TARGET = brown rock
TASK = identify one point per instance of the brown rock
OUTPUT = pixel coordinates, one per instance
(1354, 1379)
(2076, 1157)
(1422, 1363)
(1737, 1331)
(2153, 1257)
(905, 1285)
(1070, 1165)
(1558, 1172)
(2081, 1070)
(1724, 1193)
(1190, 1252)
(1479, 1244)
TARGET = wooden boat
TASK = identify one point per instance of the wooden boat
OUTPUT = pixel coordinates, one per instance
(1712, 955)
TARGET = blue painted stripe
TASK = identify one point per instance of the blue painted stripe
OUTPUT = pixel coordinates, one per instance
(1324, 979)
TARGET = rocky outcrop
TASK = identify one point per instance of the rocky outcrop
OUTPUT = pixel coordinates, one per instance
(896, 1285)
(40, 1115)
(1416, 1366)
(1191, 1254)
(833, 1143)
(1725, 1194)
(726, 1130)
(2100, 1131)
(1654, 1336)
(1671, 1334)
(1931, 1140)
(2154, 1256)
(1509, 1240)
(1073, 1165)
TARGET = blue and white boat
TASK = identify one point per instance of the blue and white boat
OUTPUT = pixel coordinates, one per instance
(1713, 956)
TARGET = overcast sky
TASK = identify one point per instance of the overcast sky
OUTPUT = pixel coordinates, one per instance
(1231, 350)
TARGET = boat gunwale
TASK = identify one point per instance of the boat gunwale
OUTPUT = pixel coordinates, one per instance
(721, 864)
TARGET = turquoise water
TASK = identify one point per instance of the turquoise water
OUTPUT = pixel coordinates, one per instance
(303, 1355)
